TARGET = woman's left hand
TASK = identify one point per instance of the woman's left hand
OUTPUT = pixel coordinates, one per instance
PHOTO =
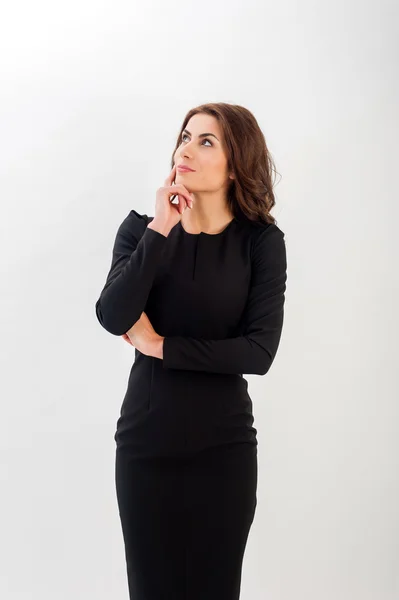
(144, 337)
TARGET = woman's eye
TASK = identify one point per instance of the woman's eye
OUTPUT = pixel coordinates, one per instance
(205, 139)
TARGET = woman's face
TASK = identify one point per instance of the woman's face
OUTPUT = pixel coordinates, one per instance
(205, 154)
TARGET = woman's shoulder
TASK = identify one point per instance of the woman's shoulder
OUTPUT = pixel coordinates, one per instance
(259, 230)
(136, 217)
(265, 239)
(134, 224)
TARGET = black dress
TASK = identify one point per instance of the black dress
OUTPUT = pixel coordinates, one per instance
(186, 447)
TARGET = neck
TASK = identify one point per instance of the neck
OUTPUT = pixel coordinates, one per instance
(207, 215)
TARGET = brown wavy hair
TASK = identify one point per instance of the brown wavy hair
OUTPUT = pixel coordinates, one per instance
(250, 194)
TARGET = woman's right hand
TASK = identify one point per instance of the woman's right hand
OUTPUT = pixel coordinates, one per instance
(166, 213)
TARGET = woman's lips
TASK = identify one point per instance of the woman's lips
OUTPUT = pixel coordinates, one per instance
(184, 170)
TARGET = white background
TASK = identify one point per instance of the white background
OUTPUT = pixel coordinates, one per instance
(92, 98)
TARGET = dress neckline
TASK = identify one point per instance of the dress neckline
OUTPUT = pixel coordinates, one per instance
(204, 232)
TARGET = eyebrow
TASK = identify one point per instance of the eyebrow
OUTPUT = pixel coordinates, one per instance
(201, 134)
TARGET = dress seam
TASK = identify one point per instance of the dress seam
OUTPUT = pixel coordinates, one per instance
(151, 383)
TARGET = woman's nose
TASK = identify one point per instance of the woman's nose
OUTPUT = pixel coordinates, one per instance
(186, 151)
(187, 147)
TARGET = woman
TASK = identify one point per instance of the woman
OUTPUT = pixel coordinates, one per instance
(212, 282)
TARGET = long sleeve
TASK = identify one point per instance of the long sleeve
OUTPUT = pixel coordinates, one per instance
(254, 351)
(135, 258)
